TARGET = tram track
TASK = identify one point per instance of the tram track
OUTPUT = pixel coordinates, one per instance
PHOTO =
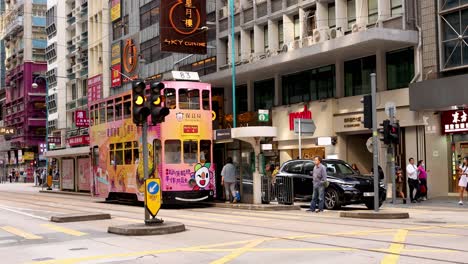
(122, 211)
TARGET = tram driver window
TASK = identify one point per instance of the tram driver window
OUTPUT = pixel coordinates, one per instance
(206, 100)
(189, 99)
(170, 94)
(190, 151)
(205, 151)
(172, 151)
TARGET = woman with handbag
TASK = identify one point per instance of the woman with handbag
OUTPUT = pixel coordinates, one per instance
(463, 182)
(422, 176)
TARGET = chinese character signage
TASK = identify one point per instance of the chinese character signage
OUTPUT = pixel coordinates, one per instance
(115, 10)
(78, 141)
(116, 59)
(94, 88)
(455, 121)
(7, 131)
(130, 58)
(183, 27)
(81, 120)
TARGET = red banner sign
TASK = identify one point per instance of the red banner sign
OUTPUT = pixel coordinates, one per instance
(78, 141)
(305, 114)
(190, 129)
(94, 88)
(454, 122)
(81, 120)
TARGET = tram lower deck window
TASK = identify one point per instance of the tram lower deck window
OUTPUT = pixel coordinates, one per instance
(190, 151)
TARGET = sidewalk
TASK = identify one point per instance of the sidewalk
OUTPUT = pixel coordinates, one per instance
(436, 204)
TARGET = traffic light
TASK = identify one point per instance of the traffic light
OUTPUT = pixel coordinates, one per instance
(158, 111)
(386, 131)
(367, 102)
(395, 133)
(140, 110)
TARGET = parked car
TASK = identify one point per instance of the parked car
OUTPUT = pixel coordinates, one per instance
(346, 185)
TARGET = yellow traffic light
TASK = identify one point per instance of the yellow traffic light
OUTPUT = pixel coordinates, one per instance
(139, 100)
(157, 101)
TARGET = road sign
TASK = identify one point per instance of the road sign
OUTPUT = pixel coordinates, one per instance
(263, 115)
(390, 109)
(153, 196)
(307, 126)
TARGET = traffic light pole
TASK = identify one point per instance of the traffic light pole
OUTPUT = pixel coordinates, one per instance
(144, 139)
(391, 158)
(375, 139)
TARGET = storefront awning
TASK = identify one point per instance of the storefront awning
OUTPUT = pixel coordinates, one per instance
(79, 151)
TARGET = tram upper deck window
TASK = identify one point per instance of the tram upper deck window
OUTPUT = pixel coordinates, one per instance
(189, 99)
(206, 99)
(190, 151)
(172, 151)
(110, 111)
(171, 100)
(127, 109)
(118, 109)
(102, 113)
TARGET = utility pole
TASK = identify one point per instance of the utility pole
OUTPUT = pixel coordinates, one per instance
(391, 156)
(375, 139)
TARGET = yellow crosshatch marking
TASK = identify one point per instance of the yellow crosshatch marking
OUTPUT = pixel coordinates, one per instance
(250, 246)
(21, 233)
(64, 230)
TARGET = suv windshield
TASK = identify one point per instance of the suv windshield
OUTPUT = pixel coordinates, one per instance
(335, 167)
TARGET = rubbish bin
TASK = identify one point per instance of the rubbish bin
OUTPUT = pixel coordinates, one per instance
(266, 187)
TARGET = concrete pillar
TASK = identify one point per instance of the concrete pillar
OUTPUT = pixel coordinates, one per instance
(341, 14)
(250, 95)
(381, 70)
(221, 57)
(288, 29)
(322, 15)
(362, 12)
(273, 35)
(339, 78)
(302, 23)
(228, 98)
(245, 44)
(258, 40)
(278, 90)
(384, 10)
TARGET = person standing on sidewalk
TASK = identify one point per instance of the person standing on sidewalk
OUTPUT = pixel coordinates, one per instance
(319, 175)
(228, 180)
(413, 182)
(463, 182)
(399, 183)
(422, 179)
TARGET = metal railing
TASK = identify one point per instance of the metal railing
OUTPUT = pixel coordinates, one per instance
(280, 190)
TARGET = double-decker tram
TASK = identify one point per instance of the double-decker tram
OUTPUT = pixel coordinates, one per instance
(180, 148)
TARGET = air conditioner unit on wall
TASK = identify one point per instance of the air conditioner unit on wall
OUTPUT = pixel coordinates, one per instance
(308, 41)
(335, 33)
(321, 35)
(224, 11)
(356, 27)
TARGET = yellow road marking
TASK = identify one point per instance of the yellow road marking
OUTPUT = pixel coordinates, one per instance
(395, 248)
(21, 233)
(64, 230)
(238, 252)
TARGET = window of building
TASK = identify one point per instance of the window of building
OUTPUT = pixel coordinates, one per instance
(202, 67)
(400, 68)
(206, 99)
(84, 88)
(265, 37)
(454, 35)
(149, 14)
(323, 83)
(241, 98)
(331, 15)
(351, 10)
(373, 11)
(252, 41)
(117, 29)
(171, 101)
(357, 75)
(280, 34)
(52, 101)
(311, 25)
(264, 94)
(51, 22)
(172, 151)
(51, 77)
(190, 151)
(397, 8)
(238, 46)
(211, 17)
(74, 91)
(189, 99)
(297, 31)
(205, 151)
(125, 25)
(151, 50)
(51, 52)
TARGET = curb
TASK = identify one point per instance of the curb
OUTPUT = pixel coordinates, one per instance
(65, 192)
(145, 230)
(256, 207)
(67, 218)
(375, 215)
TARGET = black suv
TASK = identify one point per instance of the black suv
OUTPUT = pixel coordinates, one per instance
(346, 185)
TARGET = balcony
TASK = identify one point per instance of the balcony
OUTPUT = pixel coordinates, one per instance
(70, 74)
(15, 26)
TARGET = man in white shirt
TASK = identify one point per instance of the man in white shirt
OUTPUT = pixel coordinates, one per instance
(413, 182)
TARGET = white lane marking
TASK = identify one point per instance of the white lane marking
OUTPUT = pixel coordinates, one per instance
(191, 200)
(23, 213)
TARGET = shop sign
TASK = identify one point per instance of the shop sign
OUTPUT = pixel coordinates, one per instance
(116, 60)
(305, 114)
(78, 140)
(350, 122)
(28, 156)
(94, 88)
(7, 131)
(455, 121)
(130, 60)
(223, 134)
(182, 26)
(55, 140)
(263, 115)
(81, 120)
(115, 12)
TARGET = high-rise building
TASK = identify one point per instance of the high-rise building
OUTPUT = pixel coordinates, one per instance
(24, 37)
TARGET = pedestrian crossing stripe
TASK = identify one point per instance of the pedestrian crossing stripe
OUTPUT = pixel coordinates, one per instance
(64, 230)
(19, 232)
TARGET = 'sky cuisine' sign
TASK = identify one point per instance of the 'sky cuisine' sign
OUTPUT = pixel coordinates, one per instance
(182, 26)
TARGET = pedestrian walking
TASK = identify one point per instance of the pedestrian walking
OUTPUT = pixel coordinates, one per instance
(422, 176)
(399, 183)
(463, 182)
(413, 182)
(228, 180)
(319, 175)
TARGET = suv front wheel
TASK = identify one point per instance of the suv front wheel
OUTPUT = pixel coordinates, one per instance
(332, 199)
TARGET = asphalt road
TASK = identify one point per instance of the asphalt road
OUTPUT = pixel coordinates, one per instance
(433, 234)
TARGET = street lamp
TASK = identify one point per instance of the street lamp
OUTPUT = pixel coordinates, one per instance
(34, 86)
